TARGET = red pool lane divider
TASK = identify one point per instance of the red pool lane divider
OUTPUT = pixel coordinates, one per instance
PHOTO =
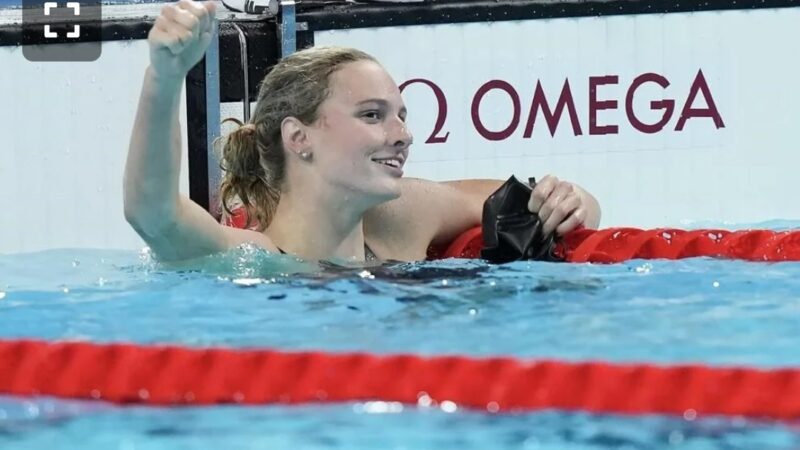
(613, 245)
(168, 375)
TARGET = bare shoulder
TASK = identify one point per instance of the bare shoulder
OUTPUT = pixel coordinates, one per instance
(404, 228)
(238, 236)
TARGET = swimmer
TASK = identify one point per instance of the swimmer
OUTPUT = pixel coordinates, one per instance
(319, 167)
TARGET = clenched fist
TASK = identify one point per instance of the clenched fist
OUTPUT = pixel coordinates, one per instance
(180, 37)
(562, 206)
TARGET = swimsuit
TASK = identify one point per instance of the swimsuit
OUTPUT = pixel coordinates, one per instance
(369, 255)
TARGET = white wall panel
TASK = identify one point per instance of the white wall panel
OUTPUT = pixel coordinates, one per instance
(743, 172)
(66, 128)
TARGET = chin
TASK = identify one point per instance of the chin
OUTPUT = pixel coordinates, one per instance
(386, 196)
(390, 191)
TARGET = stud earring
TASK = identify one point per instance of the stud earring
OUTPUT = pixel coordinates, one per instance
(305, 156)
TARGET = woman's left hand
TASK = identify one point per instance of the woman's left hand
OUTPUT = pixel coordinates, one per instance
(563, 206)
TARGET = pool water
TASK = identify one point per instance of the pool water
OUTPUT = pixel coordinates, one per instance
(698, 310)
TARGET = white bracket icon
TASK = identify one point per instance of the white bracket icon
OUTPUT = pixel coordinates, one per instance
(76, 29)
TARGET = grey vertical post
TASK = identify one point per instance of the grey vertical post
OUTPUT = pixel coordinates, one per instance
(288, 28)
(213, 119)
(245, 74)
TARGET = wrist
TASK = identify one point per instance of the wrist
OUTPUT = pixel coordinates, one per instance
(163, 80)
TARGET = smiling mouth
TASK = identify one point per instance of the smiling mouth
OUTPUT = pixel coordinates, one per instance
(392, 162)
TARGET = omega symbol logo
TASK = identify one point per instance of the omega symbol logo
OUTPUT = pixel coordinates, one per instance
(76, 29)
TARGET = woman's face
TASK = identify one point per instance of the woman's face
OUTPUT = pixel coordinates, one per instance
(360, 140)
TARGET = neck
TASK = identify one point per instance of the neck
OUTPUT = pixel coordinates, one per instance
(318, 226)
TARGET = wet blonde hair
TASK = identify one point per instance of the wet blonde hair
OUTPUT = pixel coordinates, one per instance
(252, 156)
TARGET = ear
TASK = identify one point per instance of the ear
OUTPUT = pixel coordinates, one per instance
(294, 135)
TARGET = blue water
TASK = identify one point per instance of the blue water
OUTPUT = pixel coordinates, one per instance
(699, 310)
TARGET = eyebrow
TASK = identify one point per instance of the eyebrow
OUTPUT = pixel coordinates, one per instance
(382, 103)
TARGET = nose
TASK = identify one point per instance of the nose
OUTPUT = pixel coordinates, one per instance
(398, 134)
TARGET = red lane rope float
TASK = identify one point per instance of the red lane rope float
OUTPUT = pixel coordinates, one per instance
(126, 373)
(614, 245)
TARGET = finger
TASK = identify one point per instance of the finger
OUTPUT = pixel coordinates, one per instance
(205, 38)
(180, 38)
(204, 12)
(181, 17)
(560, 212)
(560, 192)
(572, 222)
(163, 38)
(210, 14)
(174, 35)
(541, 192)
(211, 7)
(161, 24)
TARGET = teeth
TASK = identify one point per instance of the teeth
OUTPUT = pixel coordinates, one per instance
(388, 162)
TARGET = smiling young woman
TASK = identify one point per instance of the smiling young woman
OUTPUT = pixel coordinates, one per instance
(318, 169)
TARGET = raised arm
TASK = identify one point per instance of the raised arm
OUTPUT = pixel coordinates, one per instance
(430, 212)
(172, 225)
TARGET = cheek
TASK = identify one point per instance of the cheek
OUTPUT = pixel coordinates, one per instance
(352, 140)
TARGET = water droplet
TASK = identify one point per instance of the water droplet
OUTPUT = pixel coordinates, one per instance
(449, 407)
(690, 414)
(473, 311)
(76, 263)
(378, 407)
(2, 295)
(31, 410)
(715, 284)
(492, 407)
(424, 400)
(248, 282)
(101, 281)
